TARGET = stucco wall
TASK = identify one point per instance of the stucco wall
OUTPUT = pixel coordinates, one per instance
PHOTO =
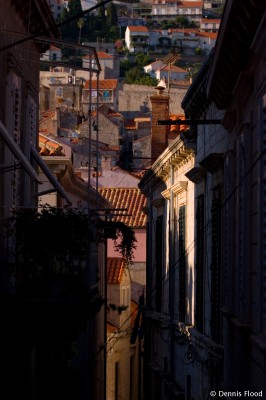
(134, 100)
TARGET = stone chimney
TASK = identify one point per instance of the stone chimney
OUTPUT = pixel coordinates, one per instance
(160, 111)
(106, 163)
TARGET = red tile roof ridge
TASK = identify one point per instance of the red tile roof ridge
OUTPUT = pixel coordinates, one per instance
(115, 269)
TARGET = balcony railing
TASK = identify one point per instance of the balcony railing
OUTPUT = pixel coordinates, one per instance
(101, 99)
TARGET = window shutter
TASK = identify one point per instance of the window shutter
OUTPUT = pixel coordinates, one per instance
(215, 263)
(200, 264)
(159, 263)
(182, 263)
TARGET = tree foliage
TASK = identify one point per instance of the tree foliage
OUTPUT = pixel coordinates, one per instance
(53, 246)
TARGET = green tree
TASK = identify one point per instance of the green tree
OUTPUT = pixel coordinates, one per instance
(101, 10)
(71, 29)
(182, 22)
(74, 7)
(111, 17)
(80, 26)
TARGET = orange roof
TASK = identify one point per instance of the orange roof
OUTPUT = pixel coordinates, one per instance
(132, 200)
(54, 48)
(177, 128)
(49, 147)
(211, 35)
(103, 84)
(173, 68)
(100, 54)
(210, 21)
(138, 29)
(115, 269)
(45, 115)
(189, 4)
(103, 54)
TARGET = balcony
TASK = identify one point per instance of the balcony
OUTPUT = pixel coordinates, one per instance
(102, 99)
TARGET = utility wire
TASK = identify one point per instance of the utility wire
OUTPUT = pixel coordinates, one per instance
(45, 31)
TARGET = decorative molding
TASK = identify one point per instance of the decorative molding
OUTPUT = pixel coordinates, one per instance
(213, 162)
(180, 187)
(166, 194)
(196, 174)
(158, 202)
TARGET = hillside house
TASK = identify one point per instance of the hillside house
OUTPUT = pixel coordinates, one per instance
(137, 38)
(169, 9)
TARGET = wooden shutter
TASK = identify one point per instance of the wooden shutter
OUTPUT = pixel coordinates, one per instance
(200, 264)
(215, 263)
(182, 263)
(159, 263)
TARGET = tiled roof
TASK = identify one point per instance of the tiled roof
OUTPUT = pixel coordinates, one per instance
(103, 84)
(101, 55)
(132, 200)
(173, 68)
(177, 128)
(115, 269)
(44, 115)
(138, 29)
(211, 35)
(190, 4)
(54, 48)
(49, 147)
(210, 21)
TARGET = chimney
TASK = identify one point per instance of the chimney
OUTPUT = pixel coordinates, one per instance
(160, 111)
(106, 163)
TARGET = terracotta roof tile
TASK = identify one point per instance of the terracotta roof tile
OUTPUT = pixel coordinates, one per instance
(138, 29)
(103, 84)
(46, 115)
(190, 4)
(211, 35)
(173, 68)
(49, 147)
(115, 269)
(132, 200)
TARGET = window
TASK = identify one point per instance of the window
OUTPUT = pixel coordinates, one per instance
(117, 380)
(131, 383)
(13, 125)
(182, 262)
(215, 263)
(159, 262)
(200, 264)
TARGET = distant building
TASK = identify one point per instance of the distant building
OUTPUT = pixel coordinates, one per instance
(137, 38)
(169, 9)
(57, 7)
(110, 65)
(52, 54)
